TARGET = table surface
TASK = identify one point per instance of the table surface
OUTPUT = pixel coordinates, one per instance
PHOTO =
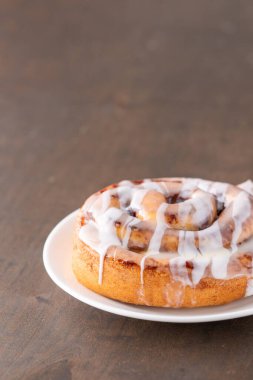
(93, 92)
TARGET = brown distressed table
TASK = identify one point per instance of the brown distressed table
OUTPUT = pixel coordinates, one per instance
(97, 91)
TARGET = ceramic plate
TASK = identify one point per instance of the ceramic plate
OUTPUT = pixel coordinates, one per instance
(57, 260)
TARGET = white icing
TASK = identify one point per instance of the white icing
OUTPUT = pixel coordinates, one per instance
(150, 185)
(100, 233)
(124, 193)
(219, 189)
(210, 239)
(205, 185)
(184, 210)
(199, 266)
(137, 198)
(179, 271)
(155, 242)
(219, 265)
(240, 213)
(90, 235)
(203, 208)
(161, 226)
(186, 246)
(188, 185)
(127, 183)
(128, 226)
(106, 198)
(107, 234)
(247, 186)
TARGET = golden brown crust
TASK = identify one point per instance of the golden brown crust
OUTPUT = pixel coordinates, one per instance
(121, 281)
(154, 239)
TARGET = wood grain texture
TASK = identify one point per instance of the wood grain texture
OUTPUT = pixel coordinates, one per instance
(93, 92)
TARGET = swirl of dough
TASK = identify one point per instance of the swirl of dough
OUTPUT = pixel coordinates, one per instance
(167, 242)
(171, 215)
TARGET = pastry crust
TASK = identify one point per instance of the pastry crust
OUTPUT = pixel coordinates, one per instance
(121, 281)
(134, 274)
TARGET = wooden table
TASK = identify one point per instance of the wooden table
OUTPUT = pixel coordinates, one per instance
(93, 92)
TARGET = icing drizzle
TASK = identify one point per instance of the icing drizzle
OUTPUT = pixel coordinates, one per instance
(197, 214)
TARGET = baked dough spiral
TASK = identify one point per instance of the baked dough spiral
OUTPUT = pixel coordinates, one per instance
(188, 229)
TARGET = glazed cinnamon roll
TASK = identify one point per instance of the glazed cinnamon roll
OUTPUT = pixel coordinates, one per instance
(171, 242)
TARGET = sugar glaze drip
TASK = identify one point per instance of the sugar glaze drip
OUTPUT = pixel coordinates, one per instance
(198, 223)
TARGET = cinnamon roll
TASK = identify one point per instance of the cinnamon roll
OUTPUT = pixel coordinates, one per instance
(171, 242)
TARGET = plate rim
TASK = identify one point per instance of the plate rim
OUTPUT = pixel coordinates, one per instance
(116, 309)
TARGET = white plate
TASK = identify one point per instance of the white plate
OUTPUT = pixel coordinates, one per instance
(57, 260)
